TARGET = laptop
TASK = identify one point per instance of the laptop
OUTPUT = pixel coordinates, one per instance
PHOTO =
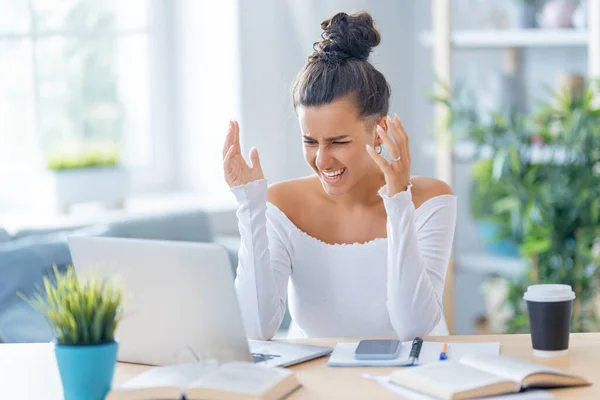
(180, 303)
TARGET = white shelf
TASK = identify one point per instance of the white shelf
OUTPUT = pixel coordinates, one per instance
(497, 38)
(486, 264)
(465, 151)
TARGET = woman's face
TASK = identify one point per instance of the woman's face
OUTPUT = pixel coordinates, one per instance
(335, 139)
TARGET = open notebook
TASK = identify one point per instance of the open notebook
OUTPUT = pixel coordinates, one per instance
(236, 380)
(479, 376)
(343, 353)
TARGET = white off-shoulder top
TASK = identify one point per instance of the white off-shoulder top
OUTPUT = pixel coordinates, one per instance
(387, 287)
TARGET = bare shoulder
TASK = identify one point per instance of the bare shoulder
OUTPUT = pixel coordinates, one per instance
(425, 188)
(289, 195)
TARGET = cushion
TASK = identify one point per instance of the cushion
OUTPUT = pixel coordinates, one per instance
(41, 232)
(4, 236)
(191, 226)
(23, 264)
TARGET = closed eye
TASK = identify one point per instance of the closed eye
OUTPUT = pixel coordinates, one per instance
(335, 142)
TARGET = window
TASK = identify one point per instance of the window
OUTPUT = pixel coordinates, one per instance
(75, 74)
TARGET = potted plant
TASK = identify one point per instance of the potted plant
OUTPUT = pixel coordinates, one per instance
(83, 316)
(90, 175)
(537, 177)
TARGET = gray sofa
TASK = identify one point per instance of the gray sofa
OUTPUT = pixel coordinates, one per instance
(27, 256)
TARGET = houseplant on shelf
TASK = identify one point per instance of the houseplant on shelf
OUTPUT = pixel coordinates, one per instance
(84, 316)
(94, 174)
(538, 177)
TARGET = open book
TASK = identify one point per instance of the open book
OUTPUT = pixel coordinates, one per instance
(236, 380)
(479, 376)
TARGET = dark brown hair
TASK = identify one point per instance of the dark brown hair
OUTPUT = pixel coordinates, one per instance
(339, 67)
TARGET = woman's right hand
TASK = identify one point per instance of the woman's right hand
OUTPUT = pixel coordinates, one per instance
(237, 172)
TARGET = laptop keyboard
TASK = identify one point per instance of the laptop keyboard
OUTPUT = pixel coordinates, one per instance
(260, 357)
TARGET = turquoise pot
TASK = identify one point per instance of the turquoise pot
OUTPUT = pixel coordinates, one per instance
(499, 247)
(86, 372)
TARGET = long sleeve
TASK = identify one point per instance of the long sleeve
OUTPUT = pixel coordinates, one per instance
(264, 265)
(418, 255)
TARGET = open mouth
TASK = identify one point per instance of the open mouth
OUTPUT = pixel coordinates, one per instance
(333, 176)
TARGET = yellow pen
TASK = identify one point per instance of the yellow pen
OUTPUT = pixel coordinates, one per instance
(443, 355)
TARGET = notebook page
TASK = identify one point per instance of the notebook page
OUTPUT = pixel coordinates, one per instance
(445, 378)
(507, 367)
(455, 351)
(343, 353)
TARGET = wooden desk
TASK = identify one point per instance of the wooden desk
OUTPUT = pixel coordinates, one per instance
(28, 371)
(321, 382)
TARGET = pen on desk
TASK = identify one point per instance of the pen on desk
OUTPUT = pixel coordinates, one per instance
(443, 355)
(415, 350)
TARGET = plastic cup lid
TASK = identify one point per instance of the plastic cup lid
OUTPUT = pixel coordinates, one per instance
(549, 293)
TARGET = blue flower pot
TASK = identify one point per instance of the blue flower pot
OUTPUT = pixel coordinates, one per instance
(499, 247)
(86, 372)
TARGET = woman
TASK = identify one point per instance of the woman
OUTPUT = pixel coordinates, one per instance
(362, 247)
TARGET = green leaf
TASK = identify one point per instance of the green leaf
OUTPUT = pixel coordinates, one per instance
(533, 248)
(99, 322)
(505, 204)
(482, 170)
(514, 160)
(499, 162)
(594, 211)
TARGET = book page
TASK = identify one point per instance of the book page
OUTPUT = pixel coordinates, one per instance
(508, 367)
(173, 376)
(242, 377)
(408, 394)
(443, 379)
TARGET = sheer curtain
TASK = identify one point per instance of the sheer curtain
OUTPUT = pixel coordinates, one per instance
(208, 90)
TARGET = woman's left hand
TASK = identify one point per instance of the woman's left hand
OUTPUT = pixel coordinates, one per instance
(397, 171)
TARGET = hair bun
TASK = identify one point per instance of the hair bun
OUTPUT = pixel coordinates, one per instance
(346, 36)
